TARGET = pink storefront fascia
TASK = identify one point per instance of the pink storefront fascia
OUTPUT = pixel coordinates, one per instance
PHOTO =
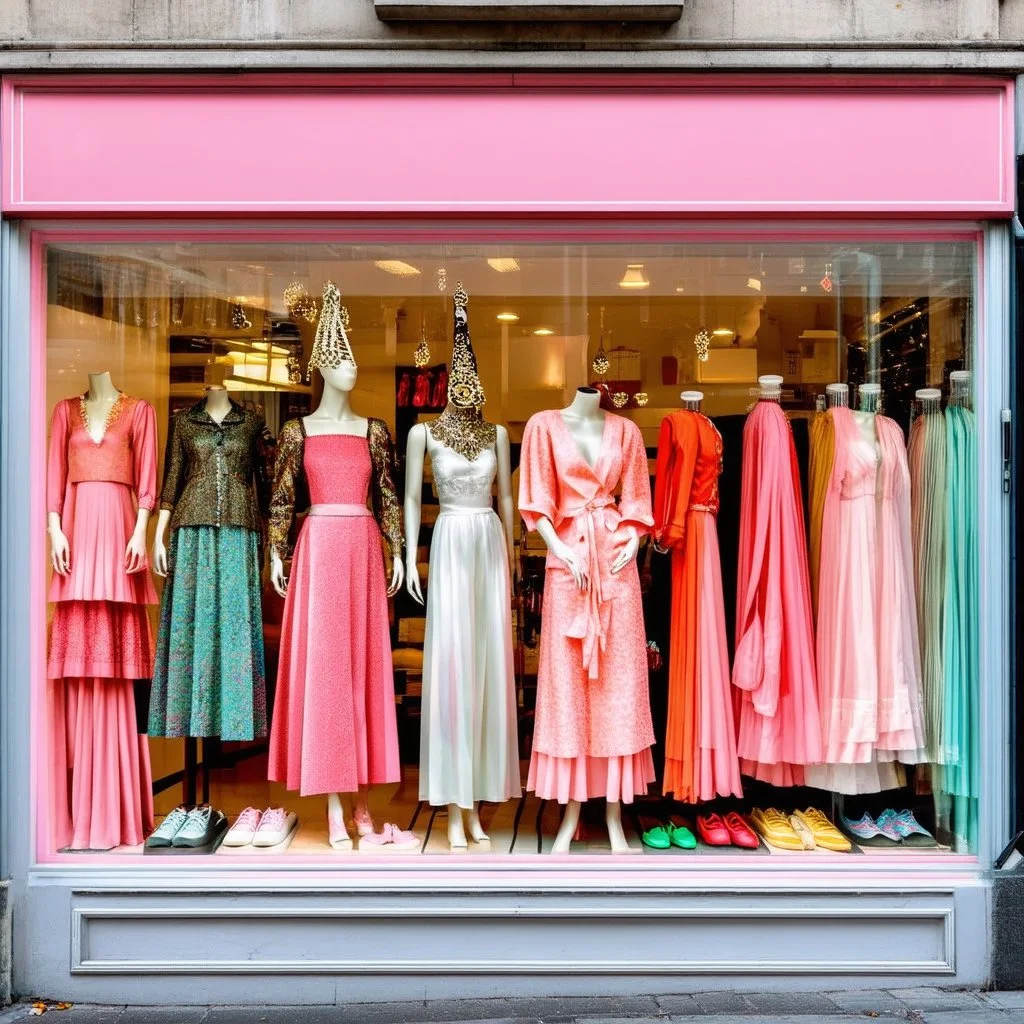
(509, 144)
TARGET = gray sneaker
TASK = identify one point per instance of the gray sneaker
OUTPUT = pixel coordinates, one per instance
(200, 828)
(168, 829)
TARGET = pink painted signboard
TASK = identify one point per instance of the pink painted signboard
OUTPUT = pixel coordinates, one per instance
(508, 144)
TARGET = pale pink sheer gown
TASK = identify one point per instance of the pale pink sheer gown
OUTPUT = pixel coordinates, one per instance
(593, 732)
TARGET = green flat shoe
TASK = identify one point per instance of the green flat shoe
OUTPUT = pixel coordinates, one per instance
(681, 836)
(657, 838)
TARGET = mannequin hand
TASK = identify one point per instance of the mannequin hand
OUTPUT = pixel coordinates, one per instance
(135, 553)
(60, 553)
(627, 551)
(397, 575)
(277, 576)
(412, 581)
(159, 557)
(573, 563)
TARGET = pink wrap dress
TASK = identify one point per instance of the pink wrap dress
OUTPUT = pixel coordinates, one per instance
(593, 731)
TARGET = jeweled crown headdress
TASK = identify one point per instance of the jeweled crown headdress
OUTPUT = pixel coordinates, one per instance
(464, 387)
(331, 347)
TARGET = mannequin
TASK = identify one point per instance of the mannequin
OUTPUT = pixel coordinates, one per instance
(692, 400)
(468, 688)
(838, 395)
(218, 405)
(99, 403)
(317, 703)
(571, 478)
(869, 398)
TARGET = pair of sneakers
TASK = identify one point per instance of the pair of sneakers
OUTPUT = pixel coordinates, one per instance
(891, 828)
(184, 828)
(254, 827)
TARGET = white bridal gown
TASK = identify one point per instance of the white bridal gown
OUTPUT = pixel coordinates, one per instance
(468, 741)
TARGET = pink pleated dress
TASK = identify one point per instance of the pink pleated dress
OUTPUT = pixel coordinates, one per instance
(334, 725)
(100, 637)
(593, 731)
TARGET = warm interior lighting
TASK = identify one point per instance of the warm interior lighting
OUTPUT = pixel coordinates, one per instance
(722, 332)
(634, 277)
(543, 332)
(397, 267)
(503, 264)
(508, 318)
(754, 284)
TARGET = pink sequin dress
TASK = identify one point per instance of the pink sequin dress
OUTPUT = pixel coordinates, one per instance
(593, 732)
(101, 639)
(334, 725)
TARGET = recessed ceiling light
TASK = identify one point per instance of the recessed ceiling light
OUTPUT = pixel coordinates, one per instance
(508, 318)
(397, 267)
(503, 264)
(754, 284)
(543, 331)
(680, 289)
(634, 277)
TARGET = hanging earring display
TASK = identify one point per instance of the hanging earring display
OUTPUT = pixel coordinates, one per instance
(702, 343)
(600, 363)
(239, 320)
(826, 281)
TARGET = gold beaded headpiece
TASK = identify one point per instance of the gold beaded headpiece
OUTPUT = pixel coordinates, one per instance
(331, 347)
(464, 387)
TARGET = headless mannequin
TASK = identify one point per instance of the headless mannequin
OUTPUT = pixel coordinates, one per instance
(415, 450)
(837, 395)
(218, 405)
(99, 400)
(585, 421)
(692, 400)
(869, 396)
(334, 415)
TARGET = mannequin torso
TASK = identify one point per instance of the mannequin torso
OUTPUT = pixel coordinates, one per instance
(585, 421)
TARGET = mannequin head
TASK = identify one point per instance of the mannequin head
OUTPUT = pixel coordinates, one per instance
(342, 377)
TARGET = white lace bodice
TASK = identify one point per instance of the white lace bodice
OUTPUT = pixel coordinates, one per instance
(460, 483)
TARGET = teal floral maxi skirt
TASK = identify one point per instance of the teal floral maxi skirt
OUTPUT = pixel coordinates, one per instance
(209, 676)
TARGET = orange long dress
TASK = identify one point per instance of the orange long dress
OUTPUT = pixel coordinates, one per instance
(823, 444)
(700, 737)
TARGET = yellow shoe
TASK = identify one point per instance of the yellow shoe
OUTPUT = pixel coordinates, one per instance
(814, 825)
(775, 829)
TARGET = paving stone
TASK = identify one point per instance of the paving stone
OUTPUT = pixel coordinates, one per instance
(868, 1001)
(722, 1002)
(679, 1006)
(991, 1015)
(778, 1003)
(1007, 1000)
(937, 1000)
(160, 1015)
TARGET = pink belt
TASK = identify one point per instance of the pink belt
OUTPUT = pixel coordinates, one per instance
(339, 510)
(594, 635)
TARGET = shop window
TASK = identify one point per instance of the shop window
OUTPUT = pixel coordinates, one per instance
(756, 630)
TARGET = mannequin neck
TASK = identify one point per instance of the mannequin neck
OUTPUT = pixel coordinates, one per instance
(586, 405)
(101, 387)
(461, 412)
(218, 402)
(335, 404)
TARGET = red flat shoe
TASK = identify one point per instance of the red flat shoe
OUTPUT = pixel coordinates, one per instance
(712, 830)
(740, 832)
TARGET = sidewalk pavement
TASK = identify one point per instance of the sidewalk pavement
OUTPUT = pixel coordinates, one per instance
(916, 1005)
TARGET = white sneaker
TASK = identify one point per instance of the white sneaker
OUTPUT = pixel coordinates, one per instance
(244, 829)
(275, 827)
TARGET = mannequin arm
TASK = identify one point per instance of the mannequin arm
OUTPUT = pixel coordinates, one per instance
(563, 553)
(160, 542)
(414, 451)
(506, 509)
(135, 553)
(60, 550)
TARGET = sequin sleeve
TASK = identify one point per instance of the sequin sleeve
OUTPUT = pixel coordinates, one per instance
(387, 509)
(287, 472)
(263, 468)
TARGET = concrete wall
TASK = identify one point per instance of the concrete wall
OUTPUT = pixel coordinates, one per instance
(888, 34)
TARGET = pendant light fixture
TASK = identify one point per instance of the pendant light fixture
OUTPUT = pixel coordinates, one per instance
(633, 279)
(421, 357)
(702, 339)
(600, 363)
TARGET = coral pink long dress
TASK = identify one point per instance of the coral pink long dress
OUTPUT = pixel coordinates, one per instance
(593, 732)
(101, 639)
(334, 727)
(700, 735)
(773, 670)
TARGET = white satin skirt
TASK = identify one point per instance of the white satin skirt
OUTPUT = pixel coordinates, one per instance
(469, 749)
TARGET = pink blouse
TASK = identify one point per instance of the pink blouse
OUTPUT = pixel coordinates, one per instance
(126, 454)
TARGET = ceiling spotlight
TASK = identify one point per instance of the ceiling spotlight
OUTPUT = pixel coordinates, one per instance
(680, 289)
(543, 332)
(508, 318)
(397, 267)
(634, 277)
(503, 264)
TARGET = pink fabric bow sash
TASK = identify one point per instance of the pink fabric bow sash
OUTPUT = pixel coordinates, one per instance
(590, 622)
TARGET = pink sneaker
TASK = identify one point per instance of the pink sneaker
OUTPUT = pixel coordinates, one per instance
(245, 827)
(390, 837)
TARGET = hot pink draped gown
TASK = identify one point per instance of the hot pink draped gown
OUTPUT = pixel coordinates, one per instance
(100, 639)
(773, 671)
(593, 730)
